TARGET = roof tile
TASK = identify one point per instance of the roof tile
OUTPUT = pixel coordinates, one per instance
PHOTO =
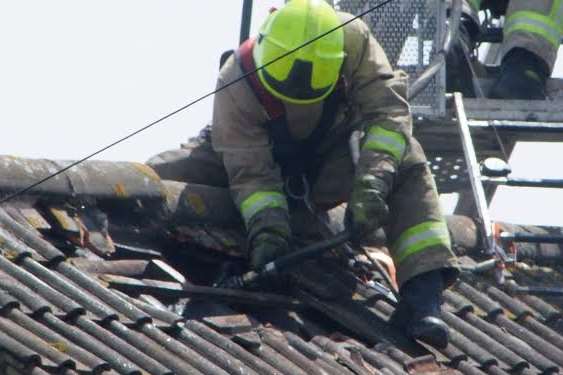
(46, 297)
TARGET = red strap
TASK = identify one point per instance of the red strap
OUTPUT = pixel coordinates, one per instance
(273, 106)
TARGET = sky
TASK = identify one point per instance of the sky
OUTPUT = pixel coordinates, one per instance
(77, 75)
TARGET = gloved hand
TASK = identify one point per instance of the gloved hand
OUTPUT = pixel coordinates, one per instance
(367, 209)
(266, 247)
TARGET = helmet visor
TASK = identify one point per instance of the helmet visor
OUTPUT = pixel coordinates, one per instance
(297, 86)
(306, 34)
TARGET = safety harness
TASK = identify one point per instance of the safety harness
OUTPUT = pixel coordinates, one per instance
(295, 157)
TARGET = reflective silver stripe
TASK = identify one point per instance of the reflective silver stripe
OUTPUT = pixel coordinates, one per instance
(380, 139)
(420, 237)
(259, 201)
(532, 22)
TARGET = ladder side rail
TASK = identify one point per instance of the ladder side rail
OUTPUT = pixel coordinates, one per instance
(474, 172)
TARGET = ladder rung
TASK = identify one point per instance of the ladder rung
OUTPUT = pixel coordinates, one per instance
(524, 182)
(539, 111)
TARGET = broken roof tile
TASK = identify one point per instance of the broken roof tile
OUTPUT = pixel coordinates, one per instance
(58, 311)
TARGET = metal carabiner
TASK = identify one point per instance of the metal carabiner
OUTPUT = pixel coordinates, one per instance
(305, 196)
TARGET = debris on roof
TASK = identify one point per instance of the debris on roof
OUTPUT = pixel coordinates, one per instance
(112, 275)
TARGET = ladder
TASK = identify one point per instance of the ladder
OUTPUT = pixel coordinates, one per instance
(493, 240)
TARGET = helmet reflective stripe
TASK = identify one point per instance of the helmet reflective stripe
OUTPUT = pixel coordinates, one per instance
(419, 238)
(310, 73)
(295, 87)
(383, 140)
(260, 200)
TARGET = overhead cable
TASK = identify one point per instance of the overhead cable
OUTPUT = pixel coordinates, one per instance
(195, 101)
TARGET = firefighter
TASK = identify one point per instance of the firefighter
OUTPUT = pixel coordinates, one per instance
(283, 133)
(532, 34)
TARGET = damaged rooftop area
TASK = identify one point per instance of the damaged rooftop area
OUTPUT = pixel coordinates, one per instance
(118, 267)
(107, 269)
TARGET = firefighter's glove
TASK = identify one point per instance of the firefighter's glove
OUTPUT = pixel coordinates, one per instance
(266, 247)
(367, 209)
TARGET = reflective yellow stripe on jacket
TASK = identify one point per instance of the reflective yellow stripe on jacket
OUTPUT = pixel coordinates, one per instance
(475, 4)
(388, 141)
(547, 27)
(419, 238)
(260, 200)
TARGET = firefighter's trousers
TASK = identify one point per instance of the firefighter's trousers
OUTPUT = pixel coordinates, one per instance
(413, 201)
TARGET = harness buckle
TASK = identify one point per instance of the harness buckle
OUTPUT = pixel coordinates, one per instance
(303, 194)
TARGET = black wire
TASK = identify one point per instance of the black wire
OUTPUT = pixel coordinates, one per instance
(74, 164)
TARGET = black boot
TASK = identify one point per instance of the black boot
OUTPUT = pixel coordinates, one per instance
(419, 312)
(523, 75)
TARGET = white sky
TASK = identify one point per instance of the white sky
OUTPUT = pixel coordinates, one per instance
(76, 75)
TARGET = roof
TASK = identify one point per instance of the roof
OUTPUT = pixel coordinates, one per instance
(106, 269)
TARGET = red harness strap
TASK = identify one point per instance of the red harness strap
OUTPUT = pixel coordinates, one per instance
(273, 106)
(294, 156)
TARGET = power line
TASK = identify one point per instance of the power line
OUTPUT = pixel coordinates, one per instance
(228, 84)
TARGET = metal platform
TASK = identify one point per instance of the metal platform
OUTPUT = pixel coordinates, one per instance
(512, 120)
(413, 34)
(410, 32)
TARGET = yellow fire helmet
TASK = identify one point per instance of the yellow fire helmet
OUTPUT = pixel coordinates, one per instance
(309, 74)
